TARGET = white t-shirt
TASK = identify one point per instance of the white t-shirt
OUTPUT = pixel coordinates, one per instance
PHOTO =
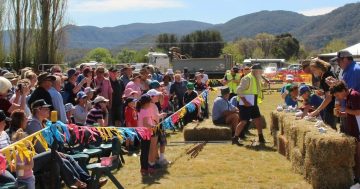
(4, 140)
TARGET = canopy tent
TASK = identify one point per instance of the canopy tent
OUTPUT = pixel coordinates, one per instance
(354, 50)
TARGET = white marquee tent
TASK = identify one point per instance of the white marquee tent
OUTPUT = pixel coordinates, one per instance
(354, 50)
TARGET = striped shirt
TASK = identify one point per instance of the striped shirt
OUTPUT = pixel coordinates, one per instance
(94, 115)
(4, 140)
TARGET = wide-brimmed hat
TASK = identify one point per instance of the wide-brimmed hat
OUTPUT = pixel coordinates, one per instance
(5, 85)
(11, 76)
(45, 76)
(129, 92)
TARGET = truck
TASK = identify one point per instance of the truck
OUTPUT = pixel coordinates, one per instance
(214, 67)
(160, 60)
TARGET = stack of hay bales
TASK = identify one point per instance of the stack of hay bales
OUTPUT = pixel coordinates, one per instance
(325, 159)
(205, 132)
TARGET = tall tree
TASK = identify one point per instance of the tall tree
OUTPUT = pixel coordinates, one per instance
(334, 46)
(165, 41)
(286, 46)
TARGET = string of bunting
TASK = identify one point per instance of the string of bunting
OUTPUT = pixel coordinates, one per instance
(59, 131)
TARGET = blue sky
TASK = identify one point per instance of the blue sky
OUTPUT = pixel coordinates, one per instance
(107, 13)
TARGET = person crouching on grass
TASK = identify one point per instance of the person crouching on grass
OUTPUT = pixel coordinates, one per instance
(352, 113)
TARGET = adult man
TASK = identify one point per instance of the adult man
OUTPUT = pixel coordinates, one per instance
(127, 73)
(352, 112)
(232, 80)
(224, 112)
(250, 95)
(178, 88)
(57, 99)
(117, 105)
(351, 70)
(204, 76)
(41, 92)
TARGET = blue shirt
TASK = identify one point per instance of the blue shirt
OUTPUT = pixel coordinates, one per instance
(289, 101)
(315, 100)
(58, 104)
(220, 106)
(351, 75)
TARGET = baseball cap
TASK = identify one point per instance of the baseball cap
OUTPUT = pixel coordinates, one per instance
(3, 116)
(40, 104)
(289, 77)
(153, 92)
(71, 72)
(342, 54)
(81, 95)
(303, 89)
(256, 67)
(69, 107)
(87, 90)
(100, 99)
(154, 84)
(113, 69)
(224, 91)
(190, 86)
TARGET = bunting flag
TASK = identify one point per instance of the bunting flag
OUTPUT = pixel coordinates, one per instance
(24, 148)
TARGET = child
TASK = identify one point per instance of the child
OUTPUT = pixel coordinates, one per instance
(24, 168)
(292, 94)
(80, 111)
(90, 94)
(190, 95)
(159, 135)
(310, 101)
(289, 81)
(69, 109)
(130, 119)
(145, 120)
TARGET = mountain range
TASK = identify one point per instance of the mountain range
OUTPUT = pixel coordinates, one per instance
(313, 31)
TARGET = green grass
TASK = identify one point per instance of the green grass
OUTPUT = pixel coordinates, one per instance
(218, 165)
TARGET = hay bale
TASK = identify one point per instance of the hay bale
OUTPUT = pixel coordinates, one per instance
(282, 145)
(274, 125)
(206, 133)
(329, 159)
(297, 135)
(297, 160)
(330, 178)
(275, 137)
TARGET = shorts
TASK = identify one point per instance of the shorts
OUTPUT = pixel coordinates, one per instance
(220, 121)
(247, 113)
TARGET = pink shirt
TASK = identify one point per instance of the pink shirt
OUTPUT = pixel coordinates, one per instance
(154, 111)
(134, 87)
(105, 85)
(143, 114)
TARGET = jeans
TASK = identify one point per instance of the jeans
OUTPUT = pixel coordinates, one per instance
(144, 156)
(29, 182)
(6, 177)
(70, 170)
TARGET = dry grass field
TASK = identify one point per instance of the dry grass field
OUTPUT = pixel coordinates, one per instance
(218, 165)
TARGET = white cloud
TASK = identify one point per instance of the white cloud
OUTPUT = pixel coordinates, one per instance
(121, 5)
(317, 11)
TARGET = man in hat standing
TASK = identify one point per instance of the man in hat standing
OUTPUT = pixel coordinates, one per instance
(45, 81)
(351, 70)
(127, 73)
(117, 105)
(224, 112)
(232, 80)
(250, 95)
(204, 76)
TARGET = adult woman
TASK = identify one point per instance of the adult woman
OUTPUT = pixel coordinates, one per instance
(322, 70)
(71, 87)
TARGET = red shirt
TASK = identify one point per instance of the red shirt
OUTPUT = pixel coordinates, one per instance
(130, 117)
(353, 103)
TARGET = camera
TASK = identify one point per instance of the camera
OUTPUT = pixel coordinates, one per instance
(20, 87)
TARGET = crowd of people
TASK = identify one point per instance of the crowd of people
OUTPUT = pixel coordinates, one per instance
(92, 97)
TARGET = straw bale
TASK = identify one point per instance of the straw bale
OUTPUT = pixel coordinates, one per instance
(274, 125)
(297, 135)
(331, 178)
(283, 145)
(297, 160)
(330, 149)
(206, 133)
